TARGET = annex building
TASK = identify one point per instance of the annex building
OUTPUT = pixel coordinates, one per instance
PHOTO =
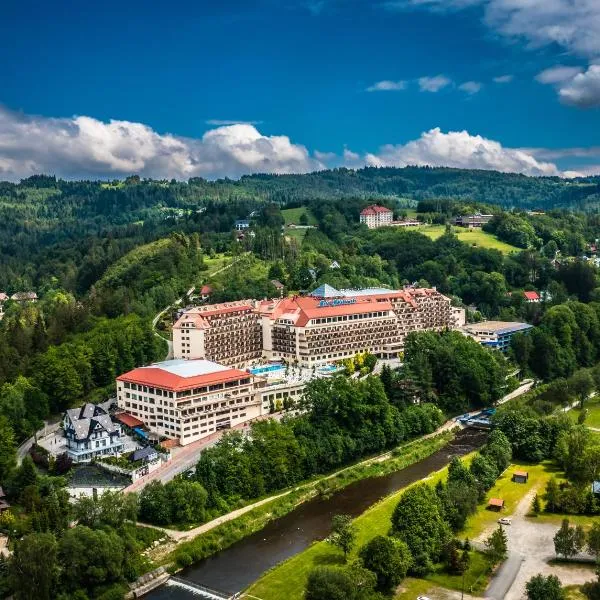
(187, 400)
(323, 326)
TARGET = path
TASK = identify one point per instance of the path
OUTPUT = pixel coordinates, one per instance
(178, 536)
(178, 302)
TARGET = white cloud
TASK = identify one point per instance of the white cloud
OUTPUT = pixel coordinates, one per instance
(504, 78)
(557, 74)
(460, 149)
(557, 153)
(86, 147)
(583, 90)
(433, 84)
(470, 87)
(222, 122)
(573, 25)
(387, 86)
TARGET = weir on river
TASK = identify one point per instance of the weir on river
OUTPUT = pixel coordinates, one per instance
(235, 568)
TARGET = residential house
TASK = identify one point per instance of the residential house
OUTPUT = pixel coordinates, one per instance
(90, 432)
(24, 297)
(242, 224)
(4, 504)
(532, 297)
(476, 220)
(3, 299)
(205, 292)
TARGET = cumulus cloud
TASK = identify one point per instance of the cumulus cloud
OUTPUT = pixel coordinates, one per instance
(433, 84)
(583, 90)
(557, 74)
(387, 86)
(86, 147)
(503, 78)
(460, 149)
(470, 87)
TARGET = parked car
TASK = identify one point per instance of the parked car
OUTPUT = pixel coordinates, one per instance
(423, 598)
(505, 521)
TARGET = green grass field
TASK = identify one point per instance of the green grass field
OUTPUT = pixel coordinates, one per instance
(287, 581)
(474, 237)
(511, 493)
(292, 215)
(592, 406)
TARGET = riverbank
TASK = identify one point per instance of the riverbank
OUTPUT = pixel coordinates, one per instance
(287, 581)
(188, 547)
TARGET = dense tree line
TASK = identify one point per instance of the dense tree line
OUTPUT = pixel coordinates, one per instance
(451, 370)
(346, 420)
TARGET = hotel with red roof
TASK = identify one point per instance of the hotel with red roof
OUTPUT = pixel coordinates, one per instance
(376, 216)
(324, 326)
(188, 400)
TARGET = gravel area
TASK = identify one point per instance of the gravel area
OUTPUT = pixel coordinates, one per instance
(531, 547)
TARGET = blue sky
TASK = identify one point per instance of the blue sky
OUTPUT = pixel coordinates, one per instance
(317, 83)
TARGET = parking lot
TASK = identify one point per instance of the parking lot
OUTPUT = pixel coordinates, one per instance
(531, 547)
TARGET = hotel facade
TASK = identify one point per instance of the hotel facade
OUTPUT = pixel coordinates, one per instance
(324, 326)
(188, 400)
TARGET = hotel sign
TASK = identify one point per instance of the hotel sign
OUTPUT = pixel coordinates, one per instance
(336, 302)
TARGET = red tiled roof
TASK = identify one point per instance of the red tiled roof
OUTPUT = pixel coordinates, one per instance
(531, 295)
(205, 290)
(521, 474)
(157, 377)
(496, 502)
(128, 420)
(374, 209)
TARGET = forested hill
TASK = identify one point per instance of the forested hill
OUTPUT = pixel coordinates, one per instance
(509, 190)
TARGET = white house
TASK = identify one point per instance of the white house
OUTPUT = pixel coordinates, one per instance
(90, 432)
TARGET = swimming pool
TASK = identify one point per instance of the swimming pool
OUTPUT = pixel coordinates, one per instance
(328, 368)
(267, 369)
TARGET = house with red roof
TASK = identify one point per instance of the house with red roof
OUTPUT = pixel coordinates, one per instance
(532, 297)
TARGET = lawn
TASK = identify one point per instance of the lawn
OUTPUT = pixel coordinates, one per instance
(296, 234)
(474, 237)
(292, 215)
(287, 581)
(593, 412)
(511, 493)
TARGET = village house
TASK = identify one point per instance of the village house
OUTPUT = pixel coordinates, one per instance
(90, 432)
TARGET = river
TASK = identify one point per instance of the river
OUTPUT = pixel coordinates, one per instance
(236, 567)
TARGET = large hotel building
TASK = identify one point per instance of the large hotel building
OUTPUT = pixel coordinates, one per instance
(188, 400)
(322, 327)
(204, 389)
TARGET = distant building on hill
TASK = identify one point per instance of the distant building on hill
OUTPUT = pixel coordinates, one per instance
(495, 334)
(376, 216)
(476, 220)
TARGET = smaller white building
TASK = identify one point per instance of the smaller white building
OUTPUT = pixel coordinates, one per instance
(90, 432)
